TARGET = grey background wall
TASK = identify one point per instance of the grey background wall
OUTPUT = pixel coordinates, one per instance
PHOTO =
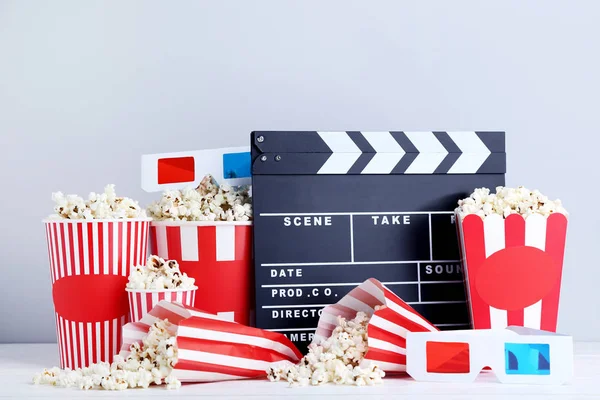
(87, 87)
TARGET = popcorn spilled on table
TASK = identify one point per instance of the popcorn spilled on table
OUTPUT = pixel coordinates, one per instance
(149, 363)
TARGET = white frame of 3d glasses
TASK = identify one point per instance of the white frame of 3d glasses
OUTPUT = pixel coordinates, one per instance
(486, 348)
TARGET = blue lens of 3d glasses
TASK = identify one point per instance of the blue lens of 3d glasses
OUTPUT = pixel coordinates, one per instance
(236, 165)
(527, 358)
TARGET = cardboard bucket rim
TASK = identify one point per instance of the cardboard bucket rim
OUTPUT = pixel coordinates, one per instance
(74, 221)
(201, 223)
(128, 290)
(462, 217)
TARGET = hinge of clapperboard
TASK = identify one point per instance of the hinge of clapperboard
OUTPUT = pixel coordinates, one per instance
(168, 171)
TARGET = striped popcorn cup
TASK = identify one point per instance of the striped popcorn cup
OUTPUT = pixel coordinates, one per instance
(512, 269)
(218, 255)
(89, 265)
(141, 301)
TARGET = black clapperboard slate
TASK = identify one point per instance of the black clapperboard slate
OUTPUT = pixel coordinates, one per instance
(332, 209)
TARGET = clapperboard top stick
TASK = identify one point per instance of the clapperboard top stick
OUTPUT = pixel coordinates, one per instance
(332, 209)
(354, 152)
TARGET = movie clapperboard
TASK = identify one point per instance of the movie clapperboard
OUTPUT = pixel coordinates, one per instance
(332, 209)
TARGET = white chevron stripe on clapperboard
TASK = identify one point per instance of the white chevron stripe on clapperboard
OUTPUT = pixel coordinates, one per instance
(389, 153)
(474, 152)
(344, 153)
(431, 153)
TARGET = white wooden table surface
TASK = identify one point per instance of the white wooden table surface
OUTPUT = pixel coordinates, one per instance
(19, 362)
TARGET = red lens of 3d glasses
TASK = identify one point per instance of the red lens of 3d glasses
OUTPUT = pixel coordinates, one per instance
(176, 170)
(448, 357)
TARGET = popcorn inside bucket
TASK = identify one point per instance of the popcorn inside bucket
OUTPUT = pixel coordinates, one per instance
(158, 274)
(155, 281)
(508, 201)
(208, 202)
(98, 206)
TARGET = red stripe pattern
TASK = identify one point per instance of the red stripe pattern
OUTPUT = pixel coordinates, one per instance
(142, 301)
(556, 238)
(387, 328)
(211, 348)
(547, 234)
(218, 257)
(473, 253)
(89, 272)
(514, 236)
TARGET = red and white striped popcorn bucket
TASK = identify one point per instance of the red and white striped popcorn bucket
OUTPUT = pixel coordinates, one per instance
(387, 327)
(89, 266)
(141, 301)
(513, 268)
(212, 349)
(218, 255)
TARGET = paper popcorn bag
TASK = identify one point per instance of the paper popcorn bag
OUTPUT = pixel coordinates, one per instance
(212, 349)
(218, 255)
(89, 265)
(512, 269)
(387, 327)
(141, 301)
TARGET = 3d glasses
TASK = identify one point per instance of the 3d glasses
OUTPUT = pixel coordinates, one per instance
(515, 355)
(168, 171)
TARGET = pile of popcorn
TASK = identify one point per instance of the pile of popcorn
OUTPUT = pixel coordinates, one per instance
(208, 202)
(159, 274)
(335, 360)
(150, 363)
(508, 201)
(98, 206)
